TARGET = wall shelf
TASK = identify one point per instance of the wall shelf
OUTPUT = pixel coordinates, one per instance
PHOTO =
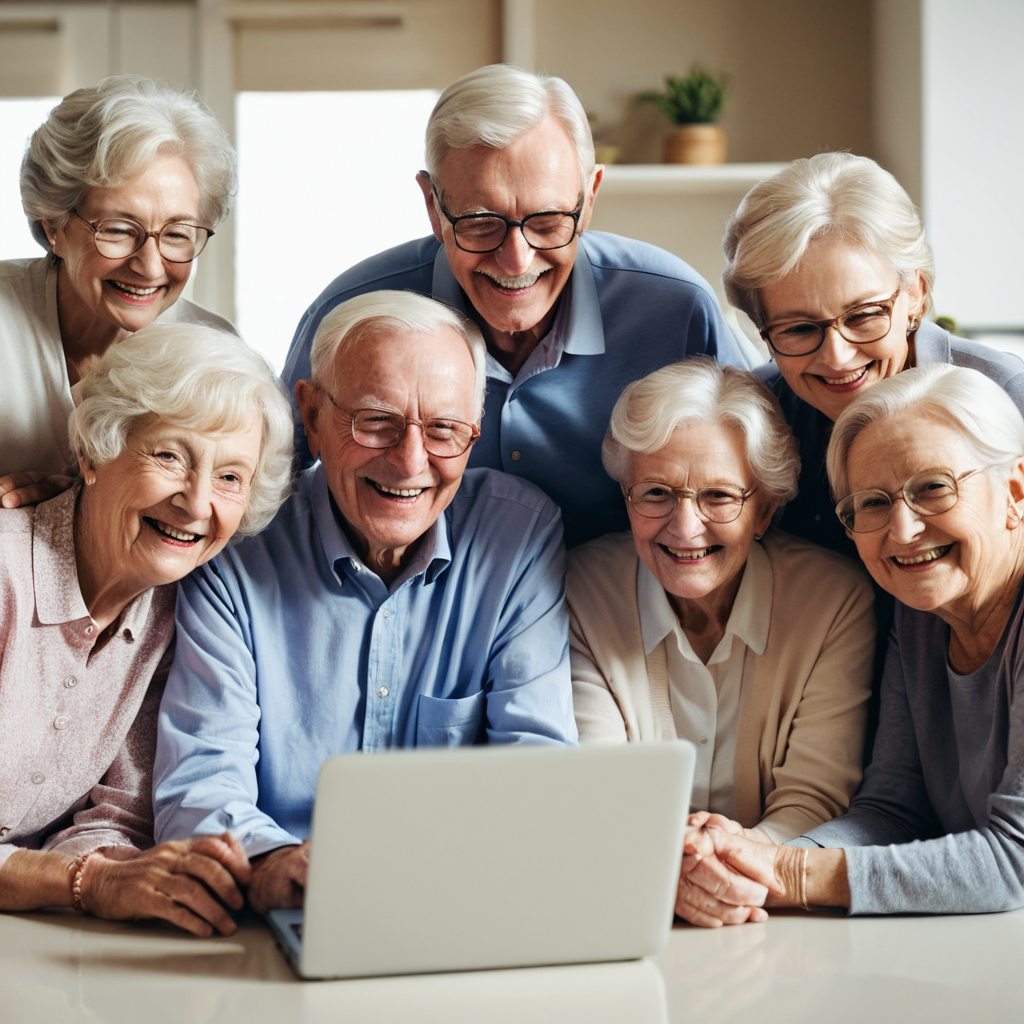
(680, 179)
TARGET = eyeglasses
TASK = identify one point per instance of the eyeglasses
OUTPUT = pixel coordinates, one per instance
(382, 428)
(485, 232)
(859, 325)
(118, 237)
(928, 493)
(716, 504)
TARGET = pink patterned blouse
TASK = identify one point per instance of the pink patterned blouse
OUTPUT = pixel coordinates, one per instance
(77, 719)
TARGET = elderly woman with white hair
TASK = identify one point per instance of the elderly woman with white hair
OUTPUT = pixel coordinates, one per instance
(828, 258)
(705, 624)
(122, 185)
(930, 474)
(183, 437)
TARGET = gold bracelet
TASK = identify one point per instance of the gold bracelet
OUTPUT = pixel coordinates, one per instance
(78, 866)
(803, 880)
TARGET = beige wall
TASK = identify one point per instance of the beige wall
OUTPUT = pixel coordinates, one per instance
(800, 69)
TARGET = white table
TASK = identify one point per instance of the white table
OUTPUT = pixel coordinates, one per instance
(60, 969)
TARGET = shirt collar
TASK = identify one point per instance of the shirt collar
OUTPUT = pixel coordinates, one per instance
(751, 611)
(583, 332)
(433, 556)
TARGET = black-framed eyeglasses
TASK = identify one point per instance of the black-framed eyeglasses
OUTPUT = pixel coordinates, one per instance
(118, 237)
(384, 428)
(859, 325)
(485, 232)
(928, 493)
(718, 503)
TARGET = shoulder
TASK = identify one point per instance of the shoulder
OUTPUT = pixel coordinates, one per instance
(486, 492)
(615, 254)
(185, 312)
(806, 571)
(604, 566)
(20, 279)
(409, 266)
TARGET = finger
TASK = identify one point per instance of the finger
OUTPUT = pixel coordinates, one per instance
(720, 821)
(228, 851)
(12, 481)
(756, 861)
(216, 877)
(726, 885)
(194, 897)
(168, 909)
(699, 844)
(701, 903)
(697, 819)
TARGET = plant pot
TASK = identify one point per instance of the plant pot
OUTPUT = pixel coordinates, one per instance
(695, 144)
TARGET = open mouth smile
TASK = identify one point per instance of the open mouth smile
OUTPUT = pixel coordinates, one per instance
(395, 492)
(513, 284)
(853, 377)
(136, 292)
(923, 556)
(691, 554)
(169, 531)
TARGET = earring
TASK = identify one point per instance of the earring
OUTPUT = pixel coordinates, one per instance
(915, 322)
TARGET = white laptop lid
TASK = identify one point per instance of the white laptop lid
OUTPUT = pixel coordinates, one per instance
(446, 860)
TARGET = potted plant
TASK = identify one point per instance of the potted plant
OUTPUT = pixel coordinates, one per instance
(693, 102)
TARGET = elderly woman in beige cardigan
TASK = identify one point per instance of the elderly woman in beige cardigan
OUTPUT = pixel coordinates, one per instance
(705, 624)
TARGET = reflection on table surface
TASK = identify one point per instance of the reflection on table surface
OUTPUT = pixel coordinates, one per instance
(58, 968)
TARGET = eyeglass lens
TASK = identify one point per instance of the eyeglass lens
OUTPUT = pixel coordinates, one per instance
(378, 428)
(177, 242)
(861, 325)
(927, 493)
(541, 231)
(655, 500)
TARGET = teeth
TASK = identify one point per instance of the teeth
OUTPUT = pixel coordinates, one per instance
(514, 283)
(693, 554)
(132, 289)
(849, 378)
(399, 492)
(924, 556)
(170, 531)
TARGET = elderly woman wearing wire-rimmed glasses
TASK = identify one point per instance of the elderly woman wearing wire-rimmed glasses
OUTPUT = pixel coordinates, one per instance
(704, 624)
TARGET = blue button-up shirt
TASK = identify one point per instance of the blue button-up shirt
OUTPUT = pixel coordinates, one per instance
(290, 649)
(628, 309)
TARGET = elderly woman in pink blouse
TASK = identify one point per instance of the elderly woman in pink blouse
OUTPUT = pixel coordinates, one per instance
(183, 438)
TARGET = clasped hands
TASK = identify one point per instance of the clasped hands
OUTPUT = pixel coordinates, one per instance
(730, 874)
(191, 882)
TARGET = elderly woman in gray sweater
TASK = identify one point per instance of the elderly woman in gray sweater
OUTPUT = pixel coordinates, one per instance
(930, 473)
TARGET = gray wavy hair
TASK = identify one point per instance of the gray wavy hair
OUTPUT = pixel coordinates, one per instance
(964, 398)
(829, 195)
(199, 378)
(105, 135)
(699, 390)
(496, 104)
(393, 312)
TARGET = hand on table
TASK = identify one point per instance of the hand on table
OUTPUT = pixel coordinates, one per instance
(279, 878)
(179, 881)
(20, 489)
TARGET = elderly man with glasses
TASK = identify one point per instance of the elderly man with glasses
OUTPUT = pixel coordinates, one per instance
(569, 318)
(395, 601)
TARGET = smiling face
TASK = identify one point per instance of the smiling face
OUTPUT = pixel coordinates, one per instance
(514, 289)
(168, 503)
(833, 275)
(696, 561)
(97, 294)
(949, 563)
(390, 497)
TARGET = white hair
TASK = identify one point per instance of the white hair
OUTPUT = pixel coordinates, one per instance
(964, 398)
(107, 134)
(196, 377)
(393, 312)
(831, 195)
(494, 105)
(699, 390)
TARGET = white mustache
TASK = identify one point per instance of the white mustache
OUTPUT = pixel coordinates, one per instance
(521, 281)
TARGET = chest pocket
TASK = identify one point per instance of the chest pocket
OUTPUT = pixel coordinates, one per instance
(451, 722)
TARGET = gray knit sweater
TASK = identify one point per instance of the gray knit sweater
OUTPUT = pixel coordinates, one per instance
(938, 823)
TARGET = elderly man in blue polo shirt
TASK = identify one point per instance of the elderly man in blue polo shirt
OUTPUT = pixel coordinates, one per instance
(395, 601)
(569, 318)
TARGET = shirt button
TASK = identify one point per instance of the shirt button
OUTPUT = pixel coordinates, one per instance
(355, 565)
(128, 638)
(703, 741)
(386, 613)
(4, 830)
(61, 722)
(38, 777)
(516, 456)
(817, 519)
(89, 630)
(382, 691)
(70, 681)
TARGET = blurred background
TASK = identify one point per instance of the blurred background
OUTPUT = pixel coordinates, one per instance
(327, 101)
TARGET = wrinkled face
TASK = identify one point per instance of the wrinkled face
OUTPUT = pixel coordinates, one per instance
(946, 562)
(390, 497)
(833, 275)
(171, 500)
(691, 559)
(514, 288)
(131, 292)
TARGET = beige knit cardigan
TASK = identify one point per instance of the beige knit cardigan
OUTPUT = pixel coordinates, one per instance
(803, 703)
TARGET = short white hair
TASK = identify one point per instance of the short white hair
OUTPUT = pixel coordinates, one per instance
(964, 398)
(107, 134)
(699, 390)
(393, 312)
(831, 195)
(196, 377)
(496, 104)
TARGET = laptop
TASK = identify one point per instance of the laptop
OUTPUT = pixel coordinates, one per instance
(490, 857)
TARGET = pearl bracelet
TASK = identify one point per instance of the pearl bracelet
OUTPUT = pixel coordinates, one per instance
(78, 866)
